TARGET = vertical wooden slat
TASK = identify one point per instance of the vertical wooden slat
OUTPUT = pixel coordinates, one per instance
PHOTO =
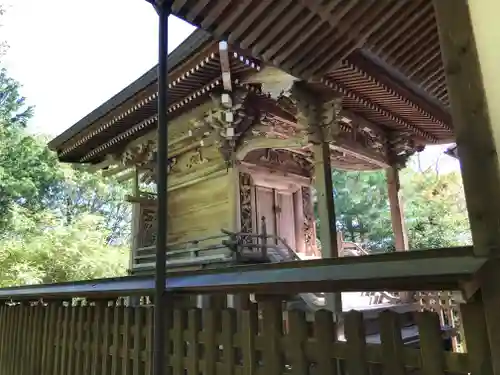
(169, 323)
(228, 331)
(193, 355)
(7, 344)
(3, 330)
(178, 342)
(97, 337)
(48, 337)
(23, 340)
(79, 344)
(40, 339)
(149, 340)
(107, 340)
(89, 339)
(25, 347)
(392, 343)
(58, 350)
(71, 339)
(356, 345)
(16, 316)
(127, 340)
(13, 312)
(272, 325)
(297, 337)
(116, 342)
(431, 344)
(138, 326)
(211, 328)
(325, 336)
(476, 338)
(248, 333)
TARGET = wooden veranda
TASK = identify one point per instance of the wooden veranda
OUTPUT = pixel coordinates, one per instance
(435, 77)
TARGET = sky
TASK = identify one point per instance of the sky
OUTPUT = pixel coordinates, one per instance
(71, 56)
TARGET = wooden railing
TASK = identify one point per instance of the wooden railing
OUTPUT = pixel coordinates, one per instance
(80, 327)
(114, 339)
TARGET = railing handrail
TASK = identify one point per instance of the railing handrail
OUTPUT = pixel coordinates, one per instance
(439, 269)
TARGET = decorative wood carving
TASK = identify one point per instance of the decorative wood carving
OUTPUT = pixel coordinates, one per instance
(308, 225)
(401, 148)
(139, 155)
(319, 116)
(147, 226)
(230, 118)
(246, 212)
(282, 160)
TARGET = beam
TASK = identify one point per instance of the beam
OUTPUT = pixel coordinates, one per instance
(469, 47)
(437, 269)
(396, 208)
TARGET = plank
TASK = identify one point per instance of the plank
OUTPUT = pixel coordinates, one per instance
(272, 331)
(107, 340)
(178, 341)
(476, 337)
(356, 346)
(193, 352)
(431, 344)
(297, 338)
(116, 342)
(392, 343)
(325, 336)
(139, 323)
(211, 329)
(228, 332)
(249, 329)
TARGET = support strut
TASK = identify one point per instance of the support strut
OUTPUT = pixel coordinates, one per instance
(163, 9)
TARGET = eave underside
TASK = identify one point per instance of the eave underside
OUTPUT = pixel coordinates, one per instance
(382, 81)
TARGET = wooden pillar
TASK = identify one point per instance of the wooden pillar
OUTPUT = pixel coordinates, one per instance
(136, 210)
(320, 118)
(469, 39)
(396, 207)
(326, 206)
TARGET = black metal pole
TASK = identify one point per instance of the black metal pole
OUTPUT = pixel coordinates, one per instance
(163, 9)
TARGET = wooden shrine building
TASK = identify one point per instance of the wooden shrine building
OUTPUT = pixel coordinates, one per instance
(294, 89)
(241, 143)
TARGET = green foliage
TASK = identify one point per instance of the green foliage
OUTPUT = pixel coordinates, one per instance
(434, 208)
(45, 251)
(57, 223)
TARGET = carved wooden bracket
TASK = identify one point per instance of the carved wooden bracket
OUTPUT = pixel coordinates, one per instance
(319, 116)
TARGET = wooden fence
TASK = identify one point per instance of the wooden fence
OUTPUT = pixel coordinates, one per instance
(106, 338)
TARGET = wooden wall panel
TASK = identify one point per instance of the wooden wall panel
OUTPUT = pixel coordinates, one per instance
(199, 210)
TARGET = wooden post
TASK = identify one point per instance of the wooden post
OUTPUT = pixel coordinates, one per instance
(136, 210)
(469, 46)
(326, 206)
(135, 232)
(320, 118)
(396, 207)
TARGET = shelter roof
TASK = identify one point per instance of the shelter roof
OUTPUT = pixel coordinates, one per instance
(383, 57)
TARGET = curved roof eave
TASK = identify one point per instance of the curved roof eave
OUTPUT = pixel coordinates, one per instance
(193, 42)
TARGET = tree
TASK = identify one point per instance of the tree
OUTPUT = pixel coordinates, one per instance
(27, 168)
(434, 206)
(56, 223)
(44, 251)
(80, 192)
(435, 209)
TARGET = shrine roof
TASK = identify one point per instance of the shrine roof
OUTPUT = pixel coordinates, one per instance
(383, 57)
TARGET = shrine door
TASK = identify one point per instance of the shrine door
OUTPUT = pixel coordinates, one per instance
(277, 206)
